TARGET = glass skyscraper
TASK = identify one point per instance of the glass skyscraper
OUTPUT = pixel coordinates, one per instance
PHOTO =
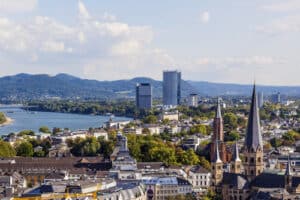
(171, 88)
(144, 96)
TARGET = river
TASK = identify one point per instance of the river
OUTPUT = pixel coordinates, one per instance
(23, 120)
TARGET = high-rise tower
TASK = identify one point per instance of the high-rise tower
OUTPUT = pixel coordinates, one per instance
(171, 88)
(144, 96)
(253, 152)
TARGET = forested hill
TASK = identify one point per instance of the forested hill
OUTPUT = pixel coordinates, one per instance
(26, 86)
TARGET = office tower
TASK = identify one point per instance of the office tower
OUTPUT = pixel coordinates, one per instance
(144, 96)
(260, 99)
(171, 88)
(193, 100)
(276, 98)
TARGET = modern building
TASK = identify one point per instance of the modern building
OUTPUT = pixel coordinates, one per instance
(276, 98)
(193, 100)
(171, 88)
(144, 96)
(260, 99)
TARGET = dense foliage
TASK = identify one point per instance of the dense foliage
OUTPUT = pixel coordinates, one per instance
(6, 150)
(2, 118)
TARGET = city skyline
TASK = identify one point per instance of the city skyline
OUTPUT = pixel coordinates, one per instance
(116, 40)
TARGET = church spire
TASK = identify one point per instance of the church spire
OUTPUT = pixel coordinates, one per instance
(216, 158)
(253, 136)
(288, 171)
(218, 111)
(236, 157)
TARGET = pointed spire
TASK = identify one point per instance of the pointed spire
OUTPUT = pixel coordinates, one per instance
(236, 157)
(218, 111)
(288, 171)
(216, 158)
(253, 136)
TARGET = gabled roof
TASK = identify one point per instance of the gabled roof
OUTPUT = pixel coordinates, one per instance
(253, 136)
(268, 180)
(238, 181)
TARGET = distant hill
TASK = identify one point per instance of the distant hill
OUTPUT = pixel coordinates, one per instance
(26, 86)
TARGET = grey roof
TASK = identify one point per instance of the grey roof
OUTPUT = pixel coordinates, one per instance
(268, 180)
(253, 136)
(236, 156)
(238, 181)
(218, 111)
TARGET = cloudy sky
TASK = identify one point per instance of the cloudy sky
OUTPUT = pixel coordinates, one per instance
(233, 41)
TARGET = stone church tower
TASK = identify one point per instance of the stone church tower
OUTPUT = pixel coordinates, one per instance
(253, 151)
(218, 136)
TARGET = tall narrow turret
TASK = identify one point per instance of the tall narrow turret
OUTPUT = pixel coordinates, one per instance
(217, 167)
(236, 161)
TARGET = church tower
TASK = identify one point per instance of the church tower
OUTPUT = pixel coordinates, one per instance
(217, 167)
(288, 176)
(218, 135)
(236, 162)
(253, 152)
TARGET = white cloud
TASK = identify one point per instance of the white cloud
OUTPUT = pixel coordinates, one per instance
(109, 17)
(14, 6)
(282, 25)
(238, 61)
(91, 46)
(283, 6)
(83, 12)
(205, 17)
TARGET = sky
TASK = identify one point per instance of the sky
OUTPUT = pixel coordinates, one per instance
(231, 41)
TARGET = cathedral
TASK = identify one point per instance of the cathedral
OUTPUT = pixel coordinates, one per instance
(247, 178)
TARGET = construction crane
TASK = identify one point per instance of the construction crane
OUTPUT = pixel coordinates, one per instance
(65, 196)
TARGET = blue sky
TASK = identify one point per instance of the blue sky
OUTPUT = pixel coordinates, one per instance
(234, 41)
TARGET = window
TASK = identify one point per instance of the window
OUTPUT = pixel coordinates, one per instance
(252, 160)
(252, 172)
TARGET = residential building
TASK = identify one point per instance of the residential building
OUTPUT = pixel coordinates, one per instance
(200, 178)
(171, 88)
(159, 188)
(144, 96)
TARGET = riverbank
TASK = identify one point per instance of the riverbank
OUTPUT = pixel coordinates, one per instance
(8, 121)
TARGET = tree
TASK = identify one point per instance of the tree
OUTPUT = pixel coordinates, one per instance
(55, 130)
(150, 119)
(6, 150)
(106, 147)
(146, 131)
(276, 142)
(44, 129)
(2, 118)
(232, 136)
(204, 163)
(39, 153)
(24, 149)
(26, 132)
(193, 159)
(163, 154)
(230, 121)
